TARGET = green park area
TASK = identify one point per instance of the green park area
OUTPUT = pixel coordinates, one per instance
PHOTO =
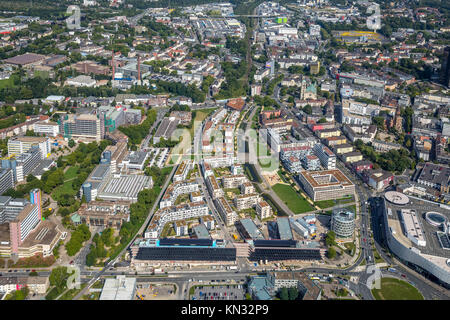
(200, 115)
(395, 289)
(67, 188)
(7, 83)
(333, 202)
(292, 199)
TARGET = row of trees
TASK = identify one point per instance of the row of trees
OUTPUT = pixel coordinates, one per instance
(271, 86)
(288, 293)
(393, 160)
(97, 249)
(180, 89)
(330, 241)
(58, 279)
(140, 209)
(233, 86)
(265, 101)
(50, 180)
(138, 212)
(77, 238)
(136, 133)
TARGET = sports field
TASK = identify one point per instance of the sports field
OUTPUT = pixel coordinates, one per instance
(395, 289)
(292, 199)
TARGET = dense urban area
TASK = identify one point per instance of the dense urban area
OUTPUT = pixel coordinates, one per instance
(201, 150)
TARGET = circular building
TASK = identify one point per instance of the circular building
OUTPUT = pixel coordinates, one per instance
(343, 223)
(435, 218)
(396, 198)
(87, 191)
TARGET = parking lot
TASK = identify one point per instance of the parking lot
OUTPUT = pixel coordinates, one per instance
(222, 292)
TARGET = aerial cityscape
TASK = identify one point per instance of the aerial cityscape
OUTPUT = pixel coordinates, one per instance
(211, 150)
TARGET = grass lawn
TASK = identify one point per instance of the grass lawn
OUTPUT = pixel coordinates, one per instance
(70, 294)
(52, 294)
(377, 256)
(350, 247)
(292, 199)
(199, 117)
(325, 204)
(332, 202)
(71, 173)
(233, 190)
(166, 170)
(182, 198)
(7, 83)
(395, 289)
(65, 188)
(168, 231)
(249, 212)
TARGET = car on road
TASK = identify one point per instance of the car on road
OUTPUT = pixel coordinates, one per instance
(71, 262)
(403, 275)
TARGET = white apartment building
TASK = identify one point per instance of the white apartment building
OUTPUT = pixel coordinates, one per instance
(213, 187)
(175, 213)
(219, 161)
(358, 113)
(245, 201)
(23, 144)
(233, 181)
(263, 210)
(326, 157)
(48, 128)
(182, 171)
(229, 216)
(247, 188)
(181, 228)
(208, 221)
(176, 189)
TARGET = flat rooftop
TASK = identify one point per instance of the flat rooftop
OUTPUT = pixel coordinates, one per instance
(29, 139)
(326, 178)
(284, 229)
(251, 229)
(121, 288)
(127, 186)
(201, 232)
(433, 247)
(25, 59)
